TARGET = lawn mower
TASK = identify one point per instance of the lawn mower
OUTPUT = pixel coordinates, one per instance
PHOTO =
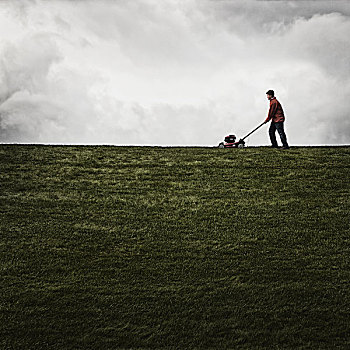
(230, 140)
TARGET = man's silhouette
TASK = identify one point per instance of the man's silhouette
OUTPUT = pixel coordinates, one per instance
(276, 115)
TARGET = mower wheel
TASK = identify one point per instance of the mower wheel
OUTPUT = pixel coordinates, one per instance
(221, 145)
(241, 145)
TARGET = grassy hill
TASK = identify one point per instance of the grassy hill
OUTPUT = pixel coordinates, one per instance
(140, 247)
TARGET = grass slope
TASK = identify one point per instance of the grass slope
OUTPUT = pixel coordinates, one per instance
(116, 247)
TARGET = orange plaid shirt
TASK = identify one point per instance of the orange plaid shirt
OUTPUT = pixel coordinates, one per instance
(275, 112)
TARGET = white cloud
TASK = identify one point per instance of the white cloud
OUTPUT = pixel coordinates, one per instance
(173, 72)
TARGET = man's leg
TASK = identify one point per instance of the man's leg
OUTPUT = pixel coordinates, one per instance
(280, 128)
(272, 133)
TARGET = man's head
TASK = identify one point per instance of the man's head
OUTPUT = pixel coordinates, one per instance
(270, 94)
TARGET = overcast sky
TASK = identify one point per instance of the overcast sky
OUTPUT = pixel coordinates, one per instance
(172, 72)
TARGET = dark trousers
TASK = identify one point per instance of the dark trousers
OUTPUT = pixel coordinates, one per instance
(272, 132)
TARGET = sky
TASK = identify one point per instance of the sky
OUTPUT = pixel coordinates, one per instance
(172, 72)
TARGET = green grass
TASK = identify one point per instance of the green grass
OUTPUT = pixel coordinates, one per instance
(140, 247)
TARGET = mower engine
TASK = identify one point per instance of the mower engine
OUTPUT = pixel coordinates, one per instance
(230, 142)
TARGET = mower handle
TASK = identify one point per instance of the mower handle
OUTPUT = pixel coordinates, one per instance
(253, 130)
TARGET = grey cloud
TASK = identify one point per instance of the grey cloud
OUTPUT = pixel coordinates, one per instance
(172, 72)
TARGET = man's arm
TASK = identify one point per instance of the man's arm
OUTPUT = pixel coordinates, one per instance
(272, 111)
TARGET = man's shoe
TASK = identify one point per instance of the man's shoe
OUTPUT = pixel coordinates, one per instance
(285, 147)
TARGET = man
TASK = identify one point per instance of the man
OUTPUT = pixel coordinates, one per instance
(276, 116)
